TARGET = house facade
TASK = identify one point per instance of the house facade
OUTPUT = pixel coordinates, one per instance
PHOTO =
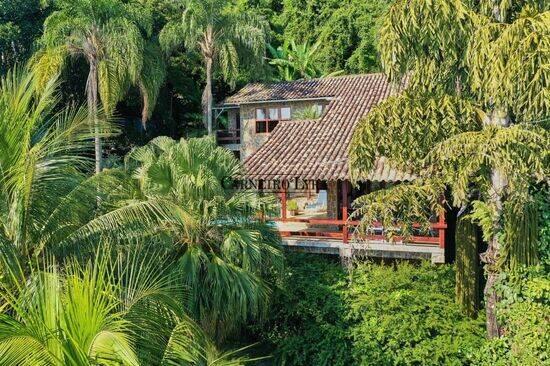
(295, 136)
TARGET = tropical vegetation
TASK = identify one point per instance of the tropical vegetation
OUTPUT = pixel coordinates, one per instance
(121, 242)
(111, 35)
(384, 314)
(472, 119)
(297, 61)
(225, 37)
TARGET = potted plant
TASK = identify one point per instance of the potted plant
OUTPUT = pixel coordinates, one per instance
(292, 206)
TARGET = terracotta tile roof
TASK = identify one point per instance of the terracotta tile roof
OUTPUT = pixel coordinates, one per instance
(289, 90)
(317, 149)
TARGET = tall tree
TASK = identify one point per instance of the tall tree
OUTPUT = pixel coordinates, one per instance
(47, 200)
(297, 61)
(472, 118)
(112, 36)
(224, 37)
(218, 240)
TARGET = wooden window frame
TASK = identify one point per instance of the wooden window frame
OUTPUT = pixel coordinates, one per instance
(267, 120)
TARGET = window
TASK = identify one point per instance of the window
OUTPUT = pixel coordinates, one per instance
(268, 118)
(261, 126)
(318, 109)
(285, 113)
(273, 114)
(260, 114)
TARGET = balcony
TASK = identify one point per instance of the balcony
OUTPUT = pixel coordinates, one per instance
(228, 137)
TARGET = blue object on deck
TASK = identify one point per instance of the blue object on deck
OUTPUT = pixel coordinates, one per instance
(321, 201)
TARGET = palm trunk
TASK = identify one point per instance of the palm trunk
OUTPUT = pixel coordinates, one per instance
(91, 90)
(207, 96)
(145, 107)
(491, 256)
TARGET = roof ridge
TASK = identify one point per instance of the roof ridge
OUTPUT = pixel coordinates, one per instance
(314, 79)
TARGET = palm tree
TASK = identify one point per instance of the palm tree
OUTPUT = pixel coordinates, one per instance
(222, 247)
(297, 61)
(47, 201)
(223, 36)
(111, 35)
(122, 311)
(40, 161)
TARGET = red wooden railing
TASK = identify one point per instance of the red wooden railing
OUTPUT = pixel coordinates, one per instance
(229, 136)
(343, 231)
(343, 225)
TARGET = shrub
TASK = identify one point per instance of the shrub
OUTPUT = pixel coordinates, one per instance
(292, 205)
(307, 323)
(406, 315)
(380, 315)
(523, 313)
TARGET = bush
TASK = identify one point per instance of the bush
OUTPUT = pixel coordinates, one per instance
(380, 315)
(307, 323)
(406, 315)
(292, 205)
(523, 313)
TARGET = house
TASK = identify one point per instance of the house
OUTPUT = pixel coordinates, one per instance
(293, 138)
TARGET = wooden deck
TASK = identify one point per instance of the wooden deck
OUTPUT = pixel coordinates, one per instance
(372, 248)
(325, 236)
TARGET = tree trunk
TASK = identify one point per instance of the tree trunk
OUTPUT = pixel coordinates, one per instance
(91, 90)
(207, 96)
(467, 266)
(145, 101)
(491, 256)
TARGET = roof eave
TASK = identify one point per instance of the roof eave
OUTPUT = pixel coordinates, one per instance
(265, 101)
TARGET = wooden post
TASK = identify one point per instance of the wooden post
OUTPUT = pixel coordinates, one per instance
(442, 230)
(283, 201)
(345, 210)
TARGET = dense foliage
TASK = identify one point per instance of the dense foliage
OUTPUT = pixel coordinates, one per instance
(346, 30)
(406, 315)
(297, 61)
(377, 315)
(471, 120)
(20, 24)
(523, 311)
(306, 324)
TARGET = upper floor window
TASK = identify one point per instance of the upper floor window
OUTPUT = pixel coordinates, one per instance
(318, 109)
(268, 118)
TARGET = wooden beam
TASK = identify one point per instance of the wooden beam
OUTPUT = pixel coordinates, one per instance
(283, 202)
(442, 225)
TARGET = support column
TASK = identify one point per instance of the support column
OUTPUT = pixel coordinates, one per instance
(442, 225)
(345, 210)
(332, 199)
(283, 201)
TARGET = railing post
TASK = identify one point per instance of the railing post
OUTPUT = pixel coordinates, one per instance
(345, 233)
(283, 201)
